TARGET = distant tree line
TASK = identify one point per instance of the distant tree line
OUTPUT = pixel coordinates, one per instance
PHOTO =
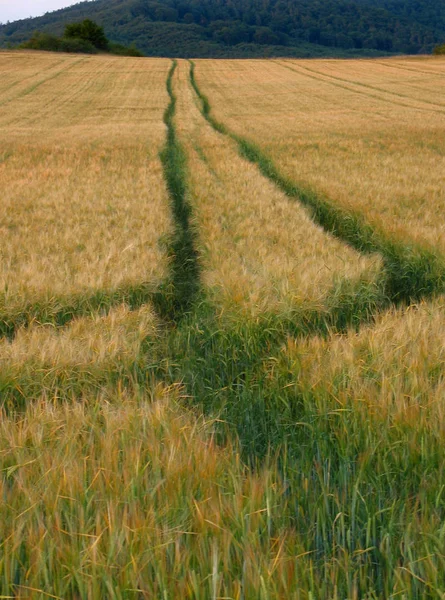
(86, 37)
(241, 28)
(334, 23)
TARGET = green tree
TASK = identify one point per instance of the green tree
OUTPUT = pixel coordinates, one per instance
(89, 31)
(439, 49)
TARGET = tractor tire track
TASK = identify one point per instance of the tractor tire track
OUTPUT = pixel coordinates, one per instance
(179, 293)
(240, 214)
(331, 80)
(36, 85)
(371, 87)
(399, 67)
(16, 83)
(412, 272)
(176, 292)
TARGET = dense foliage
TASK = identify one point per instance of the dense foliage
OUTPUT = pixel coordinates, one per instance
(52, 43)
(85, 37)
(89, 31)
(430, 13)
(254, 27)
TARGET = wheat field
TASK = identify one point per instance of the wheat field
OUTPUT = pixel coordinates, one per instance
(150, 446)
(250, 260)
(368, 134)
(84, 204)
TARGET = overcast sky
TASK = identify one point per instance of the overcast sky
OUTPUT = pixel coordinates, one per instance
(12, 10)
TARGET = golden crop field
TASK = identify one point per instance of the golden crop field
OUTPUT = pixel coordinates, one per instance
(133, 497)
(90, 353)
(84, 204)
(368, 134)
(251, 261)
(150, 447)
(394, 367)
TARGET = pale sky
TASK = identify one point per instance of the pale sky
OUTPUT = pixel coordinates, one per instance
(12, 10)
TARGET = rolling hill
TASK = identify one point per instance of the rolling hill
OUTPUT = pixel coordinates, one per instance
(224, 28)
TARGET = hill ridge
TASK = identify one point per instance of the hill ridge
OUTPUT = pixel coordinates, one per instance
(221, 28)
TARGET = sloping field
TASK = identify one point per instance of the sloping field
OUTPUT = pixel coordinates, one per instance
(249, 259)
(84, 204)
(150, 447)
(20, 74)
(367, 134)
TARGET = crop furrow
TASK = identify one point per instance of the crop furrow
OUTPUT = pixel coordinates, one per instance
(180, 291)
(412, 272)
(18, 82)
(346, 85)
(59, 311)
(36, 85)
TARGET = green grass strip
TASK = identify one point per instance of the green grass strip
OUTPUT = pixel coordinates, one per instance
(65, 383)
(179, 293)
(59, 311)
(412, 272)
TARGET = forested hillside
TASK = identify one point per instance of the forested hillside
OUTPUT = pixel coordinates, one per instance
(427, 12)
(212, 28)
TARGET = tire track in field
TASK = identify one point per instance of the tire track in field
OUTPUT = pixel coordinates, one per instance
(414, 273)
(411, 271)
(60, 100)
(371, 87)
(15, 83)
(173, 298)
(179, 293)
(331, 80)
(35, 86)
(399, 67)
(59, 311)
(240, 212)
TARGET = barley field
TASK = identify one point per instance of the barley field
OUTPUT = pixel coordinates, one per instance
(248, 258)
(222, 326)
(368, 134)
(84, 203)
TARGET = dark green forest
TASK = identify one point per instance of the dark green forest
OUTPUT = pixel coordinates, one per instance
(85, 37)
(243, 28)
